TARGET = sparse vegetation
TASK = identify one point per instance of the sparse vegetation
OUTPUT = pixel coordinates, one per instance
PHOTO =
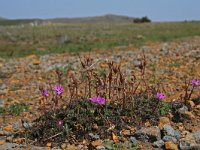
(19, 41)
(98, 101)
(14, 109)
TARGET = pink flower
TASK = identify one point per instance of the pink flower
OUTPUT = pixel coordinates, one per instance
(97, 99)
(195, 82)
(160, 96)
(60, 122)
(45, 92)
(58, 89)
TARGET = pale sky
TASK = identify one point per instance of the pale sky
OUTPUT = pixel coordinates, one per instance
(156, 10)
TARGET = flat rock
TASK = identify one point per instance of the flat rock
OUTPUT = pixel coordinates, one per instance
(150, 134)
(169, 131)
(158, 144)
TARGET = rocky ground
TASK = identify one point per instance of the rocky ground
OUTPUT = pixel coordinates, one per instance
(170, 63)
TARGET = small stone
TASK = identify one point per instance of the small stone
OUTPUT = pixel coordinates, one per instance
(170, 146)
(9, 146)
(187, 141)
(194, 51)
(197, 136)
(3, 92)
(197, 56)
(97, 143)
(150, 134)
(133, 140)
(2, 142)
(115, 137)
(3, 75)
(36, 62)
(5, 133)
(169, 138)
(185, 133)
(100, 147)
(147, 124)
(136, 62)
(31, 56)
(198, 107)
(177, 134)
(158, 144)
(189, 115)
(49, 144)
(64, 145)
(2, 103)
(94, 136)
(126, 132)
(9, 139)
(3, 86)
(191, 104)
(80, 147)
(19, 140)
(189, 146)
(71, 147)
(140, 37)
(168, 130)
(163, 121)
(8, 128)
(95, 126)
(2, 60)
(16, 126)
(165, 48)
(182, 110)
(180, 126)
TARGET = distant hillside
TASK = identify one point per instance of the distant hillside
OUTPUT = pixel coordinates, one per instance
(8, 22)
(110, 18)
(94, 20)
(2, 18)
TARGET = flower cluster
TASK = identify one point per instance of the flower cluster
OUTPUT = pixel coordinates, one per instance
(160, 96)
(195, 82)
(58, 89)
(45, 92)
(97, 99)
